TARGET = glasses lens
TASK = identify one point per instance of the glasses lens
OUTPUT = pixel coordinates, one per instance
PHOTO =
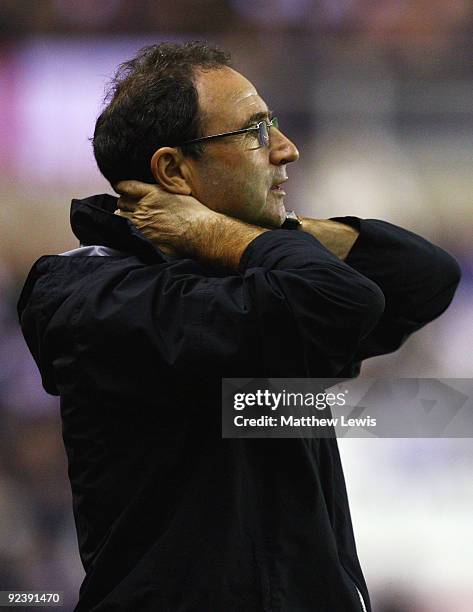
(263, 134)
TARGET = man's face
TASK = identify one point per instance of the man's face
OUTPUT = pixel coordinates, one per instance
(236, 175)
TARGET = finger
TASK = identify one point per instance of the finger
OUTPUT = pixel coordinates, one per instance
(123, 213)
(134, 189)
(126, 203)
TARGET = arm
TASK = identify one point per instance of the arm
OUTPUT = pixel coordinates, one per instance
(181, 225)
(293, 309)
(418, 280)
(305, 311)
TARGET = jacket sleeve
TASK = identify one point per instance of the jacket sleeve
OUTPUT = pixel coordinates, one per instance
(292, 310)
(417, 278)
(295, 310)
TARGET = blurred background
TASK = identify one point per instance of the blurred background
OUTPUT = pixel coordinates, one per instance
(378, 96)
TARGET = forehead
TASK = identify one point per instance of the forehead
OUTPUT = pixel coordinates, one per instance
(226, 98)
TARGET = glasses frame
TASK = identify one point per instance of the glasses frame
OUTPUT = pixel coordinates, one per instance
(262, 127)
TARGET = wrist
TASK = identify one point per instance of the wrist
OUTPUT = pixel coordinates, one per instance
(336, 237)
(220, 240)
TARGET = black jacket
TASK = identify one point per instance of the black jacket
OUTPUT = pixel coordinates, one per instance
(170, 517)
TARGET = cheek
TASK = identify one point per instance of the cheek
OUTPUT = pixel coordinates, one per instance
(256, 181)
(219, 193)
(237, 186)
(208, 188)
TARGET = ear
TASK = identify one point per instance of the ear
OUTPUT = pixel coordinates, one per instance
(169, 169)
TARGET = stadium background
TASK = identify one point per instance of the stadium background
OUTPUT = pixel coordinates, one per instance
(378, 96)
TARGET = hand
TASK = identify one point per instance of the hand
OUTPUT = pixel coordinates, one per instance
(166, 219)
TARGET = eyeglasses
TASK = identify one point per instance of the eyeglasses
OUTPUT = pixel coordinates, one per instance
(262, 128)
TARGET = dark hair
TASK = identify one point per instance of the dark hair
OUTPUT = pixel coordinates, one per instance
(152, 102)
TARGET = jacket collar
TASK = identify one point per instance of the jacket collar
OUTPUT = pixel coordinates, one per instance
(93, 222)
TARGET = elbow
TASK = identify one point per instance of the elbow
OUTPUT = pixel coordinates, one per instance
(446, 268)
(448, 273)
(452, 273)
(452, 276)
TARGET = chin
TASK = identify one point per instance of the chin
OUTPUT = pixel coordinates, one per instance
(273, 219)
(270, 216)
(273, 223)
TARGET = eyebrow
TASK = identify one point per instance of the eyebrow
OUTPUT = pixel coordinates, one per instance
(255, 117)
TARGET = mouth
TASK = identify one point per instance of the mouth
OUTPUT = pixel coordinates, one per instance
(277, 187)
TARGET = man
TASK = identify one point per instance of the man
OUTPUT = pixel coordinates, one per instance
(191, 281)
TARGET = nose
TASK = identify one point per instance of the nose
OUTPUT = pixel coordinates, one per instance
(281, 149)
